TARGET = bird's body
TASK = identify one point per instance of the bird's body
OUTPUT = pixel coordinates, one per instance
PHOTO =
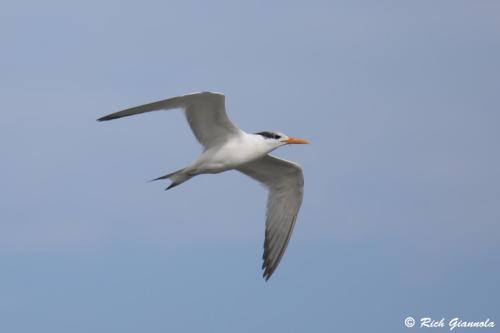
(227, 147)
(239, 149)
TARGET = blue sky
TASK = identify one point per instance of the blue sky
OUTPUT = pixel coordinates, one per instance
(402, 198)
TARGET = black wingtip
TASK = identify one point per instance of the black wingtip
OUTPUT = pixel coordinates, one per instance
(104, 118)
(268, 271)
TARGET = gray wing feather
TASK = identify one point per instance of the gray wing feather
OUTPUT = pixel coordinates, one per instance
(285, 182)
(205, 113)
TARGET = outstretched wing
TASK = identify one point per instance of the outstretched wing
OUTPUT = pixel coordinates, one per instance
(285, 182)
(205, 113)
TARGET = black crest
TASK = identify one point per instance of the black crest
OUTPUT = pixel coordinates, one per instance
(269, 135)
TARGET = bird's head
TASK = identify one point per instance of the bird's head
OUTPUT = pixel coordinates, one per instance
(277, 139)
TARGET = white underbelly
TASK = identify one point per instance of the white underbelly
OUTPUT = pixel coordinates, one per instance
(231, 155)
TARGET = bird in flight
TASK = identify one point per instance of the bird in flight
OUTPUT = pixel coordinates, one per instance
(226, 147)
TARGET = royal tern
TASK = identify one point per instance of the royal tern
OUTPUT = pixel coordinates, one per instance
(226, 147)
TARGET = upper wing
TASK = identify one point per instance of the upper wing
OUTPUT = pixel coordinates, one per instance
(205, 112)
(285, 182)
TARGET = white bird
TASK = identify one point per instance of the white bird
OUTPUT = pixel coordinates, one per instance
(226, 147)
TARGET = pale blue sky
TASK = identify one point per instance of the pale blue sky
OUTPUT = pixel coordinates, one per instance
(402, 200)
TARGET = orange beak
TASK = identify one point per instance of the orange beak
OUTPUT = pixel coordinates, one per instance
(296, 141)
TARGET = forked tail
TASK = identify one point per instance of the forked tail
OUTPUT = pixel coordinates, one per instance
(178, 177)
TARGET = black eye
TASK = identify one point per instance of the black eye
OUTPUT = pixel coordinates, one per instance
(276, 136)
